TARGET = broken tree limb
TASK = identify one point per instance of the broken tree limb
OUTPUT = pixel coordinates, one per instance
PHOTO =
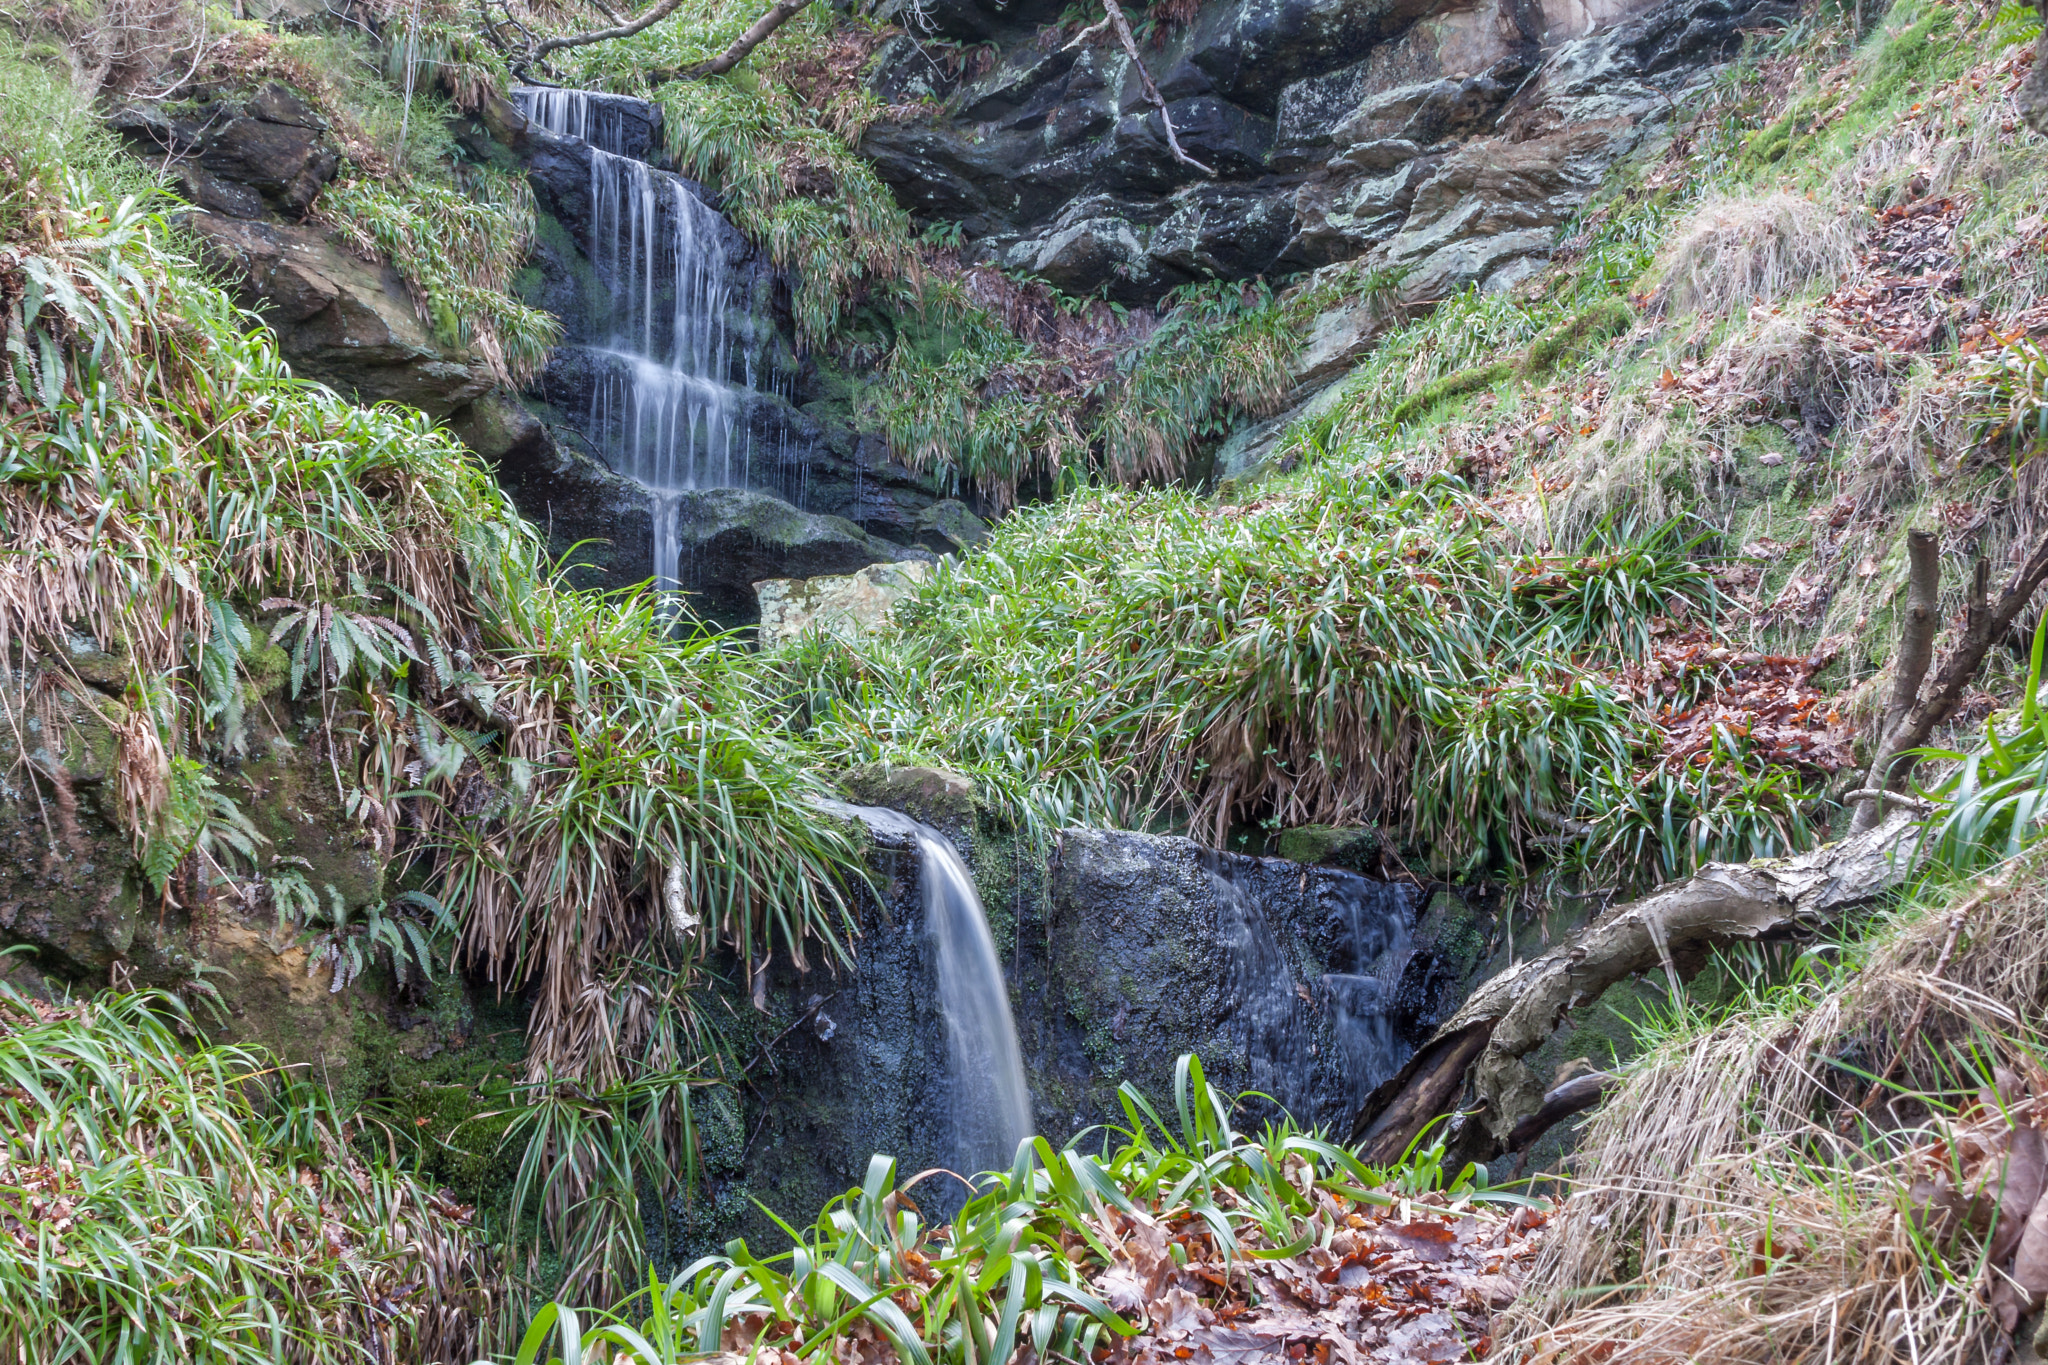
(756, 34)
(1510, 1015)
(1114, 16)
(1985, 624)
(1575, 1096)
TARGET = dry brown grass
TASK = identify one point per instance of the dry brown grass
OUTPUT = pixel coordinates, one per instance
(1736, 250)
(1733, 1207)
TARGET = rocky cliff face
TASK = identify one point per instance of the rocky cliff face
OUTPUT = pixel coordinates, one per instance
(1441, 138)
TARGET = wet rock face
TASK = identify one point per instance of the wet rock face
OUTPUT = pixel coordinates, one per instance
(1120, 954)
(1445, 138)
(786, 428)
(1283, 978)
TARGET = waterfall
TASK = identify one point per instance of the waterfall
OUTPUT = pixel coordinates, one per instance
(991, 1107)
(987, 1105)
(1274, 1014)
(666, 407)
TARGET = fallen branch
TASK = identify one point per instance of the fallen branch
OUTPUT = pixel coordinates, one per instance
(1513, 1013)
(1576, 1095)
(1114, 17)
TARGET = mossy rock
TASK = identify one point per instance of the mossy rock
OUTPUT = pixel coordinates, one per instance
(1353, 847)
(944, 800)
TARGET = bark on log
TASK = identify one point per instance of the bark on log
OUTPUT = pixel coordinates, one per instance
(1510, 1015)
(1576, 1095)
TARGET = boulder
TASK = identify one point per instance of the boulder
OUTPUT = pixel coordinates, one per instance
(1286, 979)
(845, 605)
(343, 321)
(242, 155)
(733, 538)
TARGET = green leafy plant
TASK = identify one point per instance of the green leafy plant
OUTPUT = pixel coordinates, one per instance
(162, 1203)
(1994, 801)
(1012, 1270)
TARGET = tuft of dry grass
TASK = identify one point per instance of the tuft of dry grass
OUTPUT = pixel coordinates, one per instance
(1743, 1197)
(1737, 249)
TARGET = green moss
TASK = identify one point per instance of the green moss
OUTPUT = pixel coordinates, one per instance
(1357, 848)
(1595, 323)
(1455, 385)
(434, 1087)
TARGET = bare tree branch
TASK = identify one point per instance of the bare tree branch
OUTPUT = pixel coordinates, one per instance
(662, 10)
(1573, 1097)
(1985, 624)
(757, 33)
(1113, 16)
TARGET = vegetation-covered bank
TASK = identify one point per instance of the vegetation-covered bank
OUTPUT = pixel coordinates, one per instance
(1568, 587)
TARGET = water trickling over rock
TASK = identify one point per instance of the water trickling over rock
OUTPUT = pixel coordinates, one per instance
(986, 1104)
(1282, 1021)
(675, 360)
(991, 1106)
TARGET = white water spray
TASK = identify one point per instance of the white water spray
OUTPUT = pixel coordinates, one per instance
(664, 408)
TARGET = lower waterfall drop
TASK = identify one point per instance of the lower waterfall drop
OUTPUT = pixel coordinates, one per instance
(987, 1103)
(990, 1111)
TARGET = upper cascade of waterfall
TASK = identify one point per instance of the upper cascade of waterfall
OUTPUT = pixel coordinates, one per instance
(672, 372)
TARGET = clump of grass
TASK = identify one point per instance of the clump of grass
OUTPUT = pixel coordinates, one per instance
(1351, 650)
(165, 1202)
(457, 252)
(1740, 250)
(993, 413)
(1747, 1190)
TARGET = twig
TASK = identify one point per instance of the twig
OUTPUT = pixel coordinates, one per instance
(1122, 28)
(757, 33)
(1907, 729)
(1911, 803)
(1956, 917)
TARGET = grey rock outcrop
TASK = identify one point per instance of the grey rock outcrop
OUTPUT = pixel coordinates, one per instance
(1445, 138)
(244, 153)
(344, 321)
(733, 538)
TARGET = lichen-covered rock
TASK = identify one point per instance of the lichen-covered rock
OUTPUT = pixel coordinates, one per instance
(733, 538)
(346, 322)
(69, 887)
(845, 605)
(1331, 846)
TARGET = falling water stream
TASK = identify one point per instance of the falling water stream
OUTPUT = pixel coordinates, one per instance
(987, 1103)
(1273, 1013)
(669, 398)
